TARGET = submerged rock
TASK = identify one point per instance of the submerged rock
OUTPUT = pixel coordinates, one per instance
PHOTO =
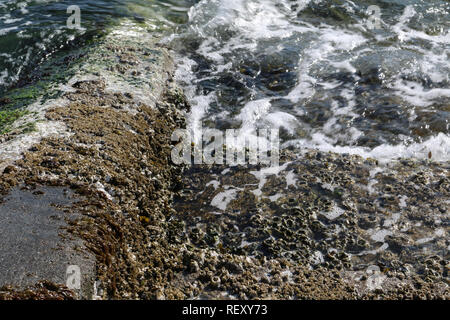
(330, 212)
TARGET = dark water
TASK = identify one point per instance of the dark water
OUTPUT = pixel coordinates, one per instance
(314, 69)
(31, 31)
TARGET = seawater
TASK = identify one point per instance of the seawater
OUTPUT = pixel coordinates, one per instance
(314, 69)
(319, 72)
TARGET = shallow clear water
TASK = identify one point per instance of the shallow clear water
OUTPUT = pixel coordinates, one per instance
(316, 70)
(313, 68)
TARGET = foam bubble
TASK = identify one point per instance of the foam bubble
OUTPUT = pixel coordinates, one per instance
(438, 146)
(413, 68)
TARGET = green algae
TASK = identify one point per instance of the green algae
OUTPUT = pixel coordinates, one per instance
(95, 55)
(7, 117)
(40, 86)
(17, 101)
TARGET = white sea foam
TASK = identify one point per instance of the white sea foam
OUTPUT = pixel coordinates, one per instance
(7, 30)
(227, 29)
(438, 145)
(417, 95)
(253, 112)
(3, 75)
(379, 235)
(284, 120)
(222, 199)
(334, 213)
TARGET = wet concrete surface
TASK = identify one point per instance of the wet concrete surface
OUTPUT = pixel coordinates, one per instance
(34, 245)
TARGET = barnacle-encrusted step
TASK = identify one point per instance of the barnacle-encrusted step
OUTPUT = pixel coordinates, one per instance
(79, 186)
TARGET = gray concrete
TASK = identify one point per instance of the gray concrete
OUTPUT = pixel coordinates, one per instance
(32, 247)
